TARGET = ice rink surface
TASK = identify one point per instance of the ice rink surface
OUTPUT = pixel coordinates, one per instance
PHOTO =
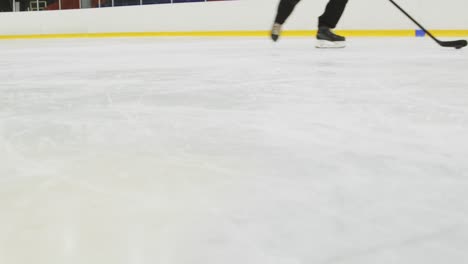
(229, 151)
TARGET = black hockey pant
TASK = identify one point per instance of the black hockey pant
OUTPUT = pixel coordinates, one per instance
(330, 17)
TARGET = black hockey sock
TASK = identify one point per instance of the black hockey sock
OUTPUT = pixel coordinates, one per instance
(285, 9)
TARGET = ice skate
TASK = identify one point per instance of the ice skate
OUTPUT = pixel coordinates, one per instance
(275, 32)
(327, 39)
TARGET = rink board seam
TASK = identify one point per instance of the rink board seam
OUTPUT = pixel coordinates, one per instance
(286, 33)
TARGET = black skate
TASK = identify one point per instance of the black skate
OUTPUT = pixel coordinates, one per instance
(275, 31)
(327, 39)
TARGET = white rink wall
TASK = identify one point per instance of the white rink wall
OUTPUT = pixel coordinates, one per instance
(232, 15)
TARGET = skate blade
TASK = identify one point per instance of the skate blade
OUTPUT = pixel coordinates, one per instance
(325, 44)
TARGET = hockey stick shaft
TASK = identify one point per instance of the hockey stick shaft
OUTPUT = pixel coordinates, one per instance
(414, 20)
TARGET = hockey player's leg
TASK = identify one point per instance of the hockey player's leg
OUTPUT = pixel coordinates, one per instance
(285, 8)
(326, 38)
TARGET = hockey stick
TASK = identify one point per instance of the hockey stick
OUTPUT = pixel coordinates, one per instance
(458, 44)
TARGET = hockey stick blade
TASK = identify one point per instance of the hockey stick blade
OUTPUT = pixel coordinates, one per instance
(458, 44)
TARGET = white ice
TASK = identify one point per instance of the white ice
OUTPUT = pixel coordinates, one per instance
(233, 151)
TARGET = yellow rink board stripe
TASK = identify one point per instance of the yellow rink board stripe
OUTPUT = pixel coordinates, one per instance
(450, 33)
(287, 33)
